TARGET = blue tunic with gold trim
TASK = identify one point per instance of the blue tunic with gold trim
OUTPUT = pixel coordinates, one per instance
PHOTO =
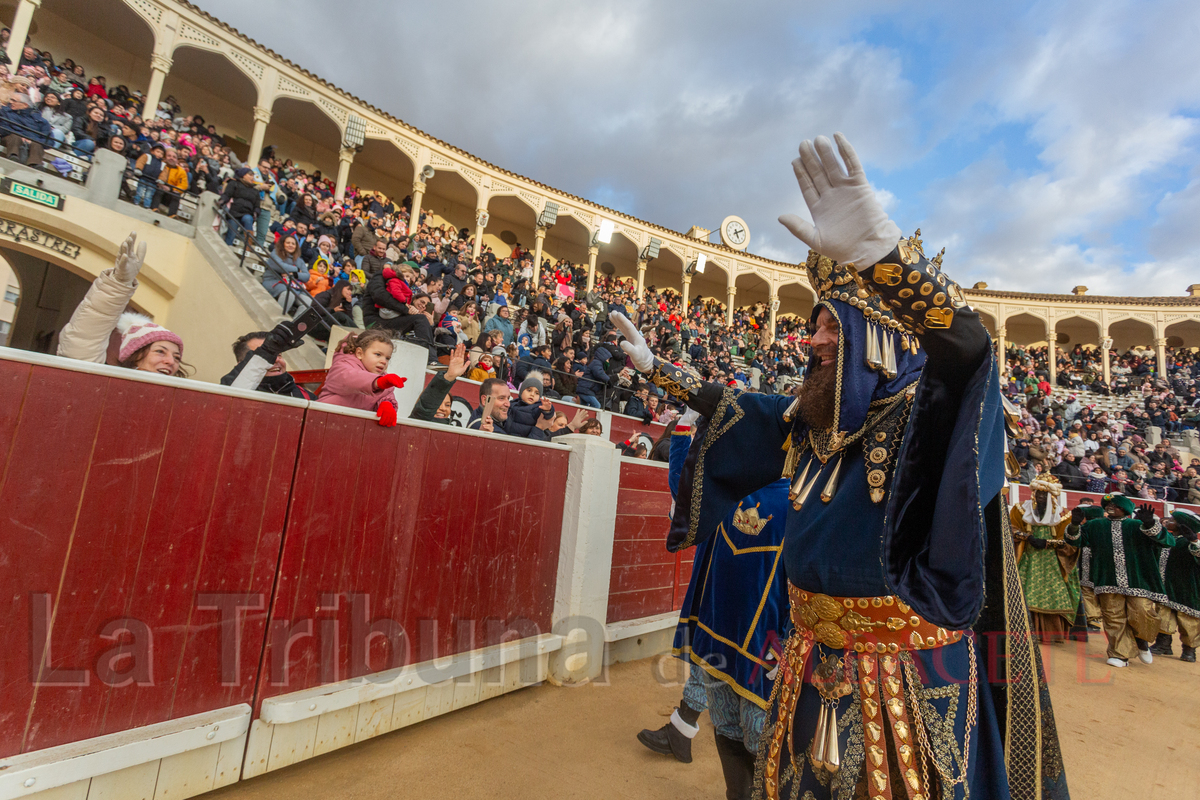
(734, 616)
(904, 579)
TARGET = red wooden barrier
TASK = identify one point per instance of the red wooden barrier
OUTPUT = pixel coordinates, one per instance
(440, 531)
(1023, 493)
(645, 576)
(125, 499)
(622, 427)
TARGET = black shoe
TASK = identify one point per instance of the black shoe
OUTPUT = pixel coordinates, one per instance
(738, 765)
(1162, 645)
(1093, 629)
(668, 741)
(1188, 654)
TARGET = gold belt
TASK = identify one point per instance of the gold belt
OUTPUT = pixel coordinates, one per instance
(876, 629)
(864, 624)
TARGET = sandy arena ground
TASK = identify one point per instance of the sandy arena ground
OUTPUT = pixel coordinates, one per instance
(1125, 734)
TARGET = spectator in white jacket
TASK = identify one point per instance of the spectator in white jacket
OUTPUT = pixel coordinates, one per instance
(145, 345)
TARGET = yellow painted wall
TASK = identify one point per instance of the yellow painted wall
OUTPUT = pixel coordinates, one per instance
(177, 287)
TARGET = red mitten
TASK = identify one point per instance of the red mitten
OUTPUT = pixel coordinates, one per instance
(387, 414)
(384, 381)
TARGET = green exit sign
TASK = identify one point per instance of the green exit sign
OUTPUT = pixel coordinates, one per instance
(32, 193)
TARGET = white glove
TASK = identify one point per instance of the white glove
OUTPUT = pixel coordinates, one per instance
(688, 420)
(634, 344)
(129, 260)
(849, 225)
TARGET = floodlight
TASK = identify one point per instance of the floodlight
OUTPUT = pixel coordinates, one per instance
(701, 260)
(605, 233)
(650, 251)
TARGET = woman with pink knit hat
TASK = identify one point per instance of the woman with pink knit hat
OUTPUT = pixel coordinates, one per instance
(145, 345)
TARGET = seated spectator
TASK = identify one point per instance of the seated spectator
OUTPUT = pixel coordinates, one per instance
(338, 300)
(434, 404)
(374, 261)
(358, 377)
(172, 183)
(260, 365)
(145, 345)
(286, 275)
(637, 405)
(22, 126)
(322, 269)
(502, 322)
(483, 369)
(407, 316)
(91, 130)
(530, 416)
(494, 400)
(59, 120)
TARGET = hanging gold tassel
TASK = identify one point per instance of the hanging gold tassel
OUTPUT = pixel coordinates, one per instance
(790, 414)
(889, 356)
(832, 755)
(799, 500)
(832, 484)
(873, 356)
(817, 753)
(799, 482)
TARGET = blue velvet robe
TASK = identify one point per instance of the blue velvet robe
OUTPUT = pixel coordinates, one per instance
(931, 543)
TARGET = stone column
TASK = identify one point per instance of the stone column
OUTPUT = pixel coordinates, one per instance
(262, 116)
(687, 287)
(1052, 358)
(480, 213)
(414, 221)
(345, 159)
(20, 31)
(641, 272)
(773, 304)
(539, 238)
(593, 251)
(1105, 348)
(159, 67)
(731, 293)
(1161, 345)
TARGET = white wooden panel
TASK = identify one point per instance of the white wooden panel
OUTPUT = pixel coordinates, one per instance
(491, 683)
(466, 693)
(131, 783)
(292, 742)
(229, 762)
(72, 791)
(187, 774)
(336, 729)
(258, 749)
(409, 708)
(374, 718)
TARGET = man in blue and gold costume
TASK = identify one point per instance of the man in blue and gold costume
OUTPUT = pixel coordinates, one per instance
(911, 671)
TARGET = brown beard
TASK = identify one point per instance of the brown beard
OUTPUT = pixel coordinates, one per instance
(817, 397)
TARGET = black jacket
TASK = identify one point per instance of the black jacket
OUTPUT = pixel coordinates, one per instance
(379, 297)
(245, 199)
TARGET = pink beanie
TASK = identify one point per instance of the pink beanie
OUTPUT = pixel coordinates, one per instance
(326, 239)
(138, 331)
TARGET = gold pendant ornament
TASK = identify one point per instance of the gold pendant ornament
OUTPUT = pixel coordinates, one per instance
(831, 680)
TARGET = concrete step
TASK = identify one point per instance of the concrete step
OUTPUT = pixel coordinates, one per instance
(244, 281)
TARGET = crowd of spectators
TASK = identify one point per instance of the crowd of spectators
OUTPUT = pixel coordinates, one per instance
(355, 259)
(1097, 450)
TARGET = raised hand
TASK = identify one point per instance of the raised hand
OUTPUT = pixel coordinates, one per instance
(1145, 515)
(635, 344)
(849, 225)
(130, 258)
(458, 363)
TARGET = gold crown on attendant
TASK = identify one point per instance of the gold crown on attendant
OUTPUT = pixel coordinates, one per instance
(747, 520)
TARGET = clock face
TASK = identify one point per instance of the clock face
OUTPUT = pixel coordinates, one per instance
(734, 233)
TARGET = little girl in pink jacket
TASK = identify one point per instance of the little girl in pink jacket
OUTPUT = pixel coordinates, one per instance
(358, 377)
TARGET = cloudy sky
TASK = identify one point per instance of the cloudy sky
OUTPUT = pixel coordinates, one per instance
(1045, 145)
